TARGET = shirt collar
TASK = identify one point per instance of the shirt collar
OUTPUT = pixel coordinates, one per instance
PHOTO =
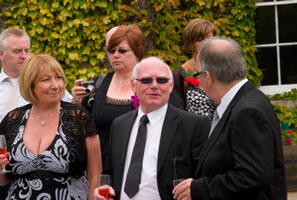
(155, 115)
(3, 76)
(227, 98)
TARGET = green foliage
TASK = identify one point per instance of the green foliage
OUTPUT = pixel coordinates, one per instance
(186, 74)
(73, 31)
(287, 115)
(289, 137)
(291, 95)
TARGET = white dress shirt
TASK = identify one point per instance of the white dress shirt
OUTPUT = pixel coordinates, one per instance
(227, 98)
(6, 87)
(148, 188)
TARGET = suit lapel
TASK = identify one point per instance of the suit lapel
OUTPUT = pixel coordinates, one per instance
(169, 128)
(125, 132)
(219, 127)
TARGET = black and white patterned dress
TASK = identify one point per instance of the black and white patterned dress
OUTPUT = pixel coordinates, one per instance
(197, 102)
(58, 172)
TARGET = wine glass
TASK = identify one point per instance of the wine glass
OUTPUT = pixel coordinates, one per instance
(104, 183)
(3, 150)
(177, 181)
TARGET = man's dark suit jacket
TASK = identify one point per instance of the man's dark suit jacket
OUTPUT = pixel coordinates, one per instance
(243, 157)
(183, 136)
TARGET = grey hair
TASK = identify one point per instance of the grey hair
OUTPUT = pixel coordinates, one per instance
(11, 31)
(223, 58)
(148, 59)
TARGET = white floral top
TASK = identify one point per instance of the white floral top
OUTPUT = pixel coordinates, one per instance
(197, 102)
(57, 173)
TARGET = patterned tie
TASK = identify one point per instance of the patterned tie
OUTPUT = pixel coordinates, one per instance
(215, 121)
(11, 99)
(134, 172)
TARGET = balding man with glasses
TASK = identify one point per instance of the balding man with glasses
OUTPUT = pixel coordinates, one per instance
(242, 158)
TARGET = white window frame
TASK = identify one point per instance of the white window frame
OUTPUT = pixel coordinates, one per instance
(279, 88)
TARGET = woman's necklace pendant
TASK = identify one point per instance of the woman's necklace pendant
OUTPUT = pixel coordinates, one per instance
(42, 122)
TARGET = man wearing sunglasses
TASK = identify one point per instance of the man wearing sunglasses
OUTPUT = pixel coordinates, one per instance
(171, 135)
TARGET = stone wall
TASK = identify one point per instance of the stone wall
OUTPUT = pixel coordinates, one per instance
(288, 103)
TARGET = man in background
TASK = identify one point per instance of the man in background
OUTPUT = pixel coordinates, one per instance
(14, 49)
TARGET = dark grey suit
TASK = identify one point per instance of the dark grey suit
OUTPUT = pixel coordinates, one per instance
(243, 157)
(182, 137)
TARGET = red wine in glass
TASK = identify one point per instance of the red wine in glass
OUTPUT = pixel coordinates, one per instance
(104, 183)
(3, 149)
(104, 191)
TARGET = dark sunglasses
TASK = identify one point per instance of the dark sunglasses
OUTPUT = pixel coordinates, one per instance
(159, 80)
(121, 51)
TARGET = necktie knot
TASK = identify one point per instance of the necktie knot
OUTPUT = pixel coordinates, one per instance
(144, 119)
(11, 98)
(13, 81)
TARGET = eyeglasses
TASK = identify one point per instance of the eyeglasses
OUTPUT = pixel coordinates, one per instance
(198, 73)
(149, 80)
(121, 51)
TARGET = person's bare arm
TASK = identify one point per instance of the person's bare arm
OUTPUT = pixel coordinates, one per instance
(94, 164)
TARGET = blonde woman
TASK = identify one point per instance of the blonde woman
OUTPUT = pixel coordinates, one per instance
(54, 148)
(192, 94)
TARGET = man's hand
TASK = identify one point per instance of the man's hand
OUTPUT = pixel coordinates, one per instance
(183, 190)
(97, 196)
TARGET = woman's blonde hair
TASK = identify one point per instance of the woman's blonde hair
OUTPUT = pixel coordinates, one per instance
(34, 68)
(196, 31)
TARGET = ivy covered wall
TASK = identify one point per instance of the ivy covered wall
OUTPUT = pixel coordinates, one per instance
(73, 31)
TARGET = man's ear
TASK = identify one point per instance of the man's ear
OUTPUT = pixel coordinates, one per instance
(1, 56)
(132, 83)
(171, 84)
(209, 78)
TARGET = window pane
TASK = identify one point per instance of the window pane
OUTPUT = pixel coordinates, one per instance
(265, 25)
(267, 63)
(287, 19)
(288, 56)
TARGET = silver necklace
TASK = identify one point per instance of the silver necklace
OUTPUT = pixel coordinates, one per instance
(42, 122)
(120, 82)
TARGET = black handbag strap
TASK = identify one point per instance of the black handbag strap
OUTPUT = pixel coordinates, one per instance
(99, 81)
(97, 85)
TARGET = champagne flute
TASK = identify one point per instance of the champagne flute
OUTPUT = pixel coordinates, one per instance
(104, 183)
(3, 150)
(176, 180)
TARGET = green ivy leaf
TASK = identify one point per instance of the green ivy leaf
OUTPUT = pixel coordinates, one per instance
(94, 61)
(102, 4)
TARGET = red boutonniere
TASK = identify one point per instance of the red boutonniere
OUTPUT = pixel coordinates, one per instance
(189, 77)
(193, 81)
